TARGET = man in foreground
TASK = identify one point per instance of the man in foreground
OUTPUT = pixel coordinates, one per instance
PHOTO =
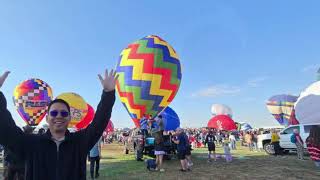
(57, 154)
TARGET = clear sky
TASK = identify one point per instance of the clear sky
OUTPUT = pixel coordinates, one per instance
(233, 52)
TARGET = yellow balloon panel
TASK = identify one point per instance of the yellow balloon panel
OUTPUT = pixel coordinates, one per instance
(78, 107)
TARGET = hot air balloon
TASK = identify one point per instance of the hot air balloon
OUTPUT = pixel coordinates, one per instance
(307, 105)
(149, 77)
(110, 128)
(170, 119)
(87, 119)
(221, 109)
(31, 98)
(293, 119)
(222, 122)
(78, 107)
(281, 106)
(245, 127)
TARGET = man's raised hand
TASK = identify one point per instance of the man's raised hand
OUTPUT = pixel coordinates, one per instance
(109, 81)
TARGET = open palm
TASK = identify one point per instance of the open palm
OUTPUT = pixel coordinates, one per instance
(109, 81)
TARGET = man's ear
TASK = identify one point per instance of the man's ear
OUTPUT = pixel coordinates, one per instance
(47, 118)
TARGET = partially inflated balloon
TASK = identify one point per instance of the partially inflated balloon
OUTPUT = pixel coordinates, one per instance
(222, 122)
(307, 106)
(78, 107)
(110, 127)
(293, 118)
(170, 119)
(149, 77)
(281, 106)
(221, 109)
(31, 98)
(87, 119)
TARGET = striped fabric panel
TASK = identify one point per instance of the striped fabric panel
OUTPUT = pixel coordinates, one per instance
(314, 153)
(314, 149)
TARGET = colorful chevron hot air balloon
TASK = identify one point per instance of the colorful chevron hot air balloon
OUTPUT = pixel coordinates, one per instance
(281, 106)
(149, 77)
(31, 98)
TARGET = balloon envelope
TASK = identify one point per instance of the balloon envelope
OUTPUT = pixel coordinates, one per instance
(222, 122)
(307, 105)
(78, 107)
(149, 77)
(31, 99)
(221, 109)
(110, 127)
(170, 119)
(245, 127)
(281, 106)
(293, 119)
(87, 119)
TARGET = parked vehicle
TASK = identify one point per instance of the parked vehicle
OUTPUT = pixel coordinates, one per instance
(141, 145)
(285, 135)
(264, 140)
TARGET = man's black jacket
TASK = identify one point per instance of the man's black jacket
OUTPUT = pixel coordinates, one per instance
(43, 160)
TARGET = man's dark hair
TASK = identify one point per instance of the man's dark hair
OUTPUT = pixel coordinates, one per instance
(160, 116)
(59, 101)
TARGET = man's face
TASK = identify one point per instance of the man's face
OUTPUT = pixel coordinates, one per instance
(58, 117)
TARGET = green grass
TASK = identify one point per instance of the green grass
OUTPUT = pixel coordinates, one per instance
(246, 165)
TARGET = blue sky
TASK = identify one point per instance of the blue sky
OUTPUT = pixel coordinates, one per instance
(237, 53)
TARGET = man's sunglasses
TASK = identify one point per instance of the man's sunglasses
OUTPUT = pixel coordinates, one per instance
(54, 113)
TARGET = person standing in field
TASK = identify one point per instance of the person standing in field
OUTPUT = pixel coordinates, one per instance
(94, 158)
(180, 140)
(275, 142)
(210, 139)
(298, 142)
(248, 138)
(232, 140)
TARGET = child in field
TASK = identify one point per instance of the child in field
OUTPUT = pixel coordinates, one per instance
(227, 152)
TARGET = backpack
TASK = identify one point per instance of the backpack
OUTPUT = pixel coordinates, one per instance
(293, 139)
(151, 164)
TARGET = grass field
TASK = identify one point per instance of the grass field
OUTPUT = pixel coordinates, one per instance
(246, 165)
